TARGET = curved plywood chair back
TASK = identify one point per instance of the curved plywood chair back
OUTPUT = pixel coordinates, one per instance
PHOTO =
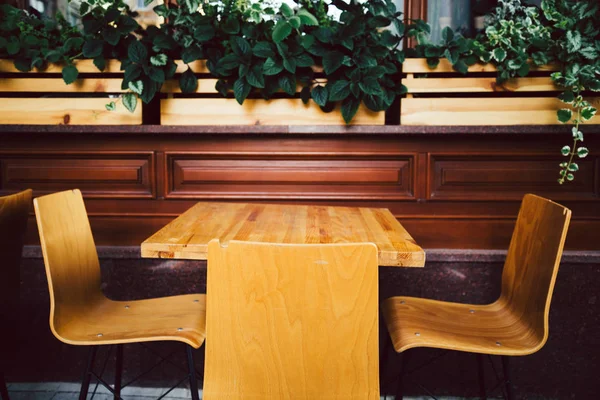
(533, 260)
(72, 265)
(292, 321)
(14, 210)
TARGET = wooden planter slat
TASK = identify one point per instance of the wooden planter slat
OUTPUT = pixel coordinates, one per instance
(57, 85)
(67, 111)
(419, 66)
(428, 103)
(485, 85)
(257, 112)
(487, 111)
(84, 66)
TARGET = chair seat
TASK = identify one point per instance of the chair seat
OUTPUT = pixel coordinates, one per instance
(489, 329)
(179, 318)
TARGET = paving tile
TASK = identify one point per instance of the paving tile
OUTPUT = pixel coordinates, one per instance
(34, 386)
(66, 396)
(40, 395)
(69, 387)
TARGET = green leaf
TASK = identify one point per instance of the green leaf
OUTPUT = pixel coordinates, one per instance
(319, 95)
(156, 74)
(307, 18)
(204, 33)
(286, 10)
(132, 72)
(229, 62)
(295, 22)
(272, 67)
(130, 101)
(147, 2)
(54, 56)
(370, 85)
(191, 54)
(349, 108)
(159, 60)
(582, 152)
(13, 46)
(93, 48)
(263, 50)
(589, 52)
(461, 67)
(290, 65)
(287, 82)
(69, 74)
(570, 177)
(499, 54)
(241, 46)
(564, 115)
(137, 52)
(567, 97)
(231, 26)
(304, 60)
(73, 43)
(338, 90)
(588, 113)
(241, 90)
(573, 167)
(188, 81)
(565, 151)
(137, 87)
(281, 31)
(111, 35)
(447, 34)
(100, 63)
(332, 60)
(23, 64)
(305, 94)
(255, 77)
(577, 134)
(573, 41)
(112, 106)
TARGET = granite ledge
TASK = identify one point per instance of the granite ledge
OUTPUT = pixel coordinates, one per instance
(432, 255)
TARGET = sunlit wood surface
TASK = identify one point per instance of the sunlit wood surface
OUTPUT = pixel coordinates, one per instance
(187, 237)
(80, 314)
(292, 322)
(517, 323)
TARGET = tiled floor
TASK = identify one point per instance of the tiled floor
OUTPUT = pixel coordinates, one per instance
(70, 391)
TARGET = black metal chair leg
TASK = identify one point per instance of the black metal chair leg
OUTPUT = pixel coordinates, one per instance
(118, 372)
(510, 392)
(403, 364)
(481, 376)
(87, 375)
(3, 388)
(192, 372)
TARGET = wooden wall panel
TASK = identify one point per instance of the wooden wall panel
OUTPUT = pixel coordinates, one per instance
(507, 176)
(450, 187)
(97, 174)
(297, 176)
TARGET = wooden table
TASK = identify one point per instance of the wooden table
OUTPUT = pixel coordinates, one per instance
(187, 236)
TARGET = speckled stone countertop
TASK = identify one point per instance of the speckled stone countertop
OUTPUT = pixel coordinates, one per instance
(309, 130)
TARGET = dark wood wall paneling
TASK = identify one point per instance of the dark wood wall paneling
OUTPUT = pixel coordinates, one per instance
(460, 189)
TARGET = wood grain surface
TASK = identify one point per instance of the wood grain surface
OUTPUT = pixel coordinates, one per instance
(292, 322)
(257, 112)
(188, 236)
(517, 323)
(80, 314)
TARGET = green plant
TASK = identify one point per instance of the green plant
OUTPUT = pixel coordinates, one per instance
(576, 46)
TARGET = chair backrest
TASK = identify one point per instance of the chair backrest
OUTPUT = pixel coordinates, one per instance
(14, 210)
(532, 262)
(292, 321)
(72, 265)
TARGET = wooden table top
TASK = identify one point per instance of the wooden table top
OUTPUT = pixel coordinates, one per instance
(187, 236)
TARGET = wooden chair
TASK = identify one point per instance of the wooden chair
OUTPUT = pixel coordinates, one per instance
(514, 325)
(80, 314)
(292, 322)
(14, 210)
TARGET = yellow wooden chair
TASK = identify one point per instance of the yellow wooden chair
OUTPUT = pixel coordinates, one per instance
(80, 314)
(514, 325)
(291, 322)
(14, 210)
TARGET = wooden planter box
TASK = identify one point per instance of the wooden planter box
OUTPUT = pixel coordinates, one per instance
(207, 107)
(445, 97)
(43, 98)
